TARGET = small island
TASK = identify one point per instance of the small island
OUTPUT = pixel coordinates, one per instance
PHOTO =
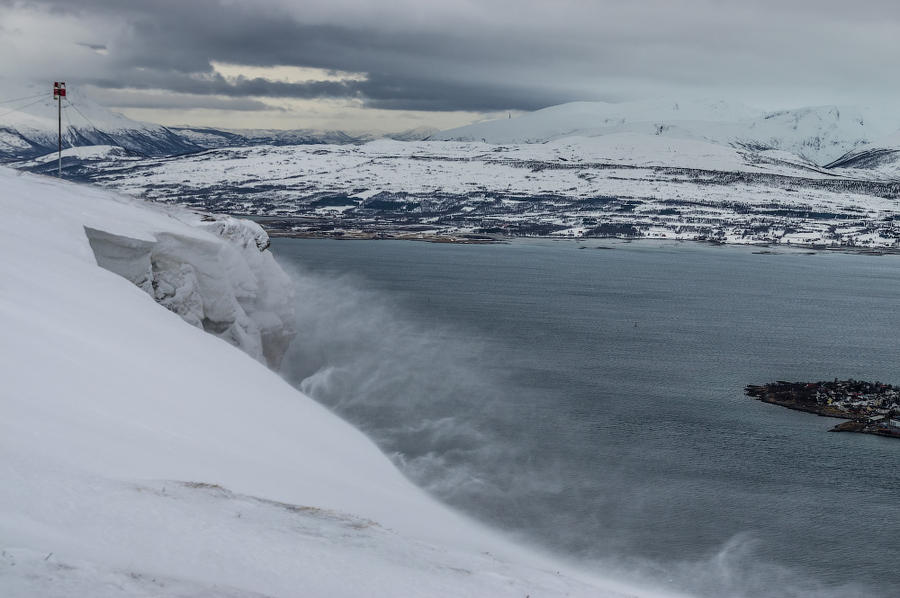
(871, 407)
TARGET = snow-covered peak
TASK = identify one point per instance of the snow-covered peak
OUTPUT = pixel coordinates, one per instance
(818, 134)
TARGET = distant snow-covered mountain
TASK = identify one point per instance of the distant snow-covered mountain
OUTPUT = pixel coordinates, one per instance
(818, 134)
(824, 135)
(29, 127)
(417, 134)
(212, 138)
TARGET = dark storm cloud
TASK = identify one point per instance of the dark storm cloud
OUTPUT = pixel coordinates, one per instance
(379, 90)
(170, 45)
(216, 84)
(419, 93)
(490, 55)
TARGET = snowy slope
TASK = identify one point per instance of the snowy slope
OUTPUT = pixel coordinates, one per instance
(144, 457)
(29, 127)
(819, 134)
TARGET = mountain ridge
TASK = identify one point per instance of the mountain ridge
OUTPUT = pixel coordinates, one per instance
(823, 135)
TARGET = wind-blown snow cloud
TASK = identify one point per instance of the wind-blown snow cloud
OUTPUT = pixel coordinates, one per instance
(475, 57)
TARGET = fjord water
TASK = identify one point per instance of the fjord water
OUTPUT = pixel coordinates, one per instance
(591, 400)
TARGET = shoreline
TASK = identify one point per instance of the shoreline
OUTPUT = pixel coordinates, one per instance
(798, 406)
(384, 236)
(481, 239)
(868, 408)
(860, 427)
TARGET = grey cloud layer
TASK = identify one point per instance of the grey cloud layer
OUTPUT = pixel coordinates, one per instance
(169, 100)
(491, 55)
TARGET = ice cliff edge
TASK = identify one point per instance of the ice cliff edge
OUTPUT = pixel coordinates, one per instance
(220, 278)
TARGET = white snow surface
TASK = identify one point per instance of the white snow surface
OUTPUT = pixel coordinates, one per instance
(144, 457)
(87, 152)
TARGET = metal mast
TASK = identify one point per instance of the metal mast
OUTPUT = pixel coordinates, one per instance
(59, 92)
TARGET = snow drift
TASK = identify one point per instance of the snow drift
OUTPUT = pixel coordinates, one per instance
(143, 456)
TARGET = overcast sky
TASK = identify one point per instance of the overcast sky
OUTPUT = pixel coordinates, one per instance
(398, 64)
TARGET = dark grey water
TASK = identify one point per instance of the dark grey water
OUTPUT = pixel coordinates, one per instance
(591, 400)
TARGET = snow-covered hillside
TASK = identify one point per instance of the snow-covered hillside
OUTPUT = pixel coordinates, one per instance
(29, 127)
(878, 160)
(819, 134)
(144, 457)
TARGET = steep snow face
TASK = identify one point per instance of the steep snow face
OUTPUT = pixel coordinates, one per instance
(818, 134)
(143, 457)
(29, 128)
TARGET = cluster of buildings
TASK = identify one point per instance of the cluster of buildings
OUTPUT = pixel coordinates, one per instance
(872, 401)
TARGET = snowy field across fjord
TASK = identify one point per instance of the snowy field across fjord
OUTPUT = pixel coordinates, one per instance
(142, 456)
(629, 185)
